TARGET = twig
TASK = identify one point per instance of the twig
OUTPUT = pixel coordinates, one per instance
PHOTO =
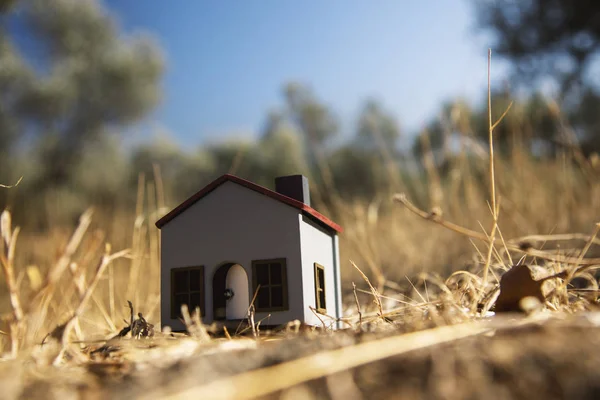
(251, 309)
(84, 222)
(401, 198)
(590, 241)
(502, 116)
(415, 289)
(9, 274)
(251, 321)
(64, 331)
(374, 291)
(585, 249)
(505, 248)
(11, 186)
(227, 335)
(488, 259)
(314, 310)
(7, 261)
(408, 303)
(106, 260)
(321, 314)
(557, 237)
(56, 271)
(246, 329)
(193, 323)
(357, 306)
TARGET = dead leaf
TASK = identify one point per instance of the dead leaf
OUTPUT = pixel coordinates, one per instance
(516, 284)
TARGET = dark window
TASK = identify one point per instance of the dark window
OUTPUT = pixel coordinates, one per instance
(272, 278)
(320, 288)
(195, 280)
(187, 287)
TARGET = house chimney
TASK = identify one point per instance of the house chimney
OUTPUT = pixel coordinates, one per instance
(294, 186)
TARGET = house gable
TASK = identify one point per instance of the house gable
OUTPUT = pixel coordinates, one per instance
(306, 210)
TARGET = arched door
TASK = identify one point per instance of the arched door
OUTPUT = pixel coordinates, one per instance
(237, 281)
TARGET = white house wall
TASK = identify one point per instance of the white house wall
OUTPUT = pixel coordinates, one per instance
(338, 278)
(232, 224)
(317, 247)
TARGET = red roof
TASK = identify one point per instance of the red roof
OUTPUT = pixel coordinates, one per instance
(306, 210)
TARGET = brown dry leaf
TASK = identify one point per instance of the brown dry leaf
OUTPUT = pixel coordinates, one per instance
(516, 284)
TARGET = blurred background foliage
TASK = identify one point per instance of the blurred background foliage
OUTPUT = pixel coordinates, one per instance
(63, 122)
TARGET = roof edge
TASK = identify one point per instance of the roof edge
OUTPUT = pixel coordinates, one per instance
(252, 186)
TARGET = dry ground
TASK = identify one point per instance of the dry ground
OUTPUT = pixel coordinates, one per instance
(545, 356)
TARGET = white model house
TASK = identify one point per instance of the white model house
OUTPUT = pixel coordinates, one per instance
(235, 238)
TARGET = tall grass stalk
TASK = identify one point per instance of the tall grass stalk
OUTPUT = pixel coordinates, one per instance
(491, 174)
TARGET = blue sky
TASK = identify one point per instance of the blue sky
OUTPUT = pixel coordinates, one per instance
(227, 61)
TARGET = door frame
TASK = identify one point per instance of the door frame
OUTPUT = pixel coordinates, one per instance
(219, 284)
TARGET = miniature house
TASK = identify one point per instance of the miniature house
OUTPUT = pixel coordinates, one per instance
(234, 241)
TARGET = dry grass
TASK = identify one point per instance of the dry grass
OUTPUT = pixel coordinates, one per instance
(432, 275)
(74, 280)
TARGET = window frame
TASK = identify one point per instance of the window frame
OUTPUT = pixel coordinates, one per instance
(175, 314)
(284, 284)
(321, 308)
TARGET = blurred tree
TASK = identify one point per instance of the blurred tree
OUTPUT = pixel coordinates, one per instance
(183, 173)
(454, 122)
(275, 123)
(6, 5)
(377, 129)
(358, 172)
(14, 78)
(281, 147)
(242, 157)
(81, 79)
(318, 126)
(586, 120)
(544, 37)
(531, 124)
(102, 171)
(313, 118)
(557, 40)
